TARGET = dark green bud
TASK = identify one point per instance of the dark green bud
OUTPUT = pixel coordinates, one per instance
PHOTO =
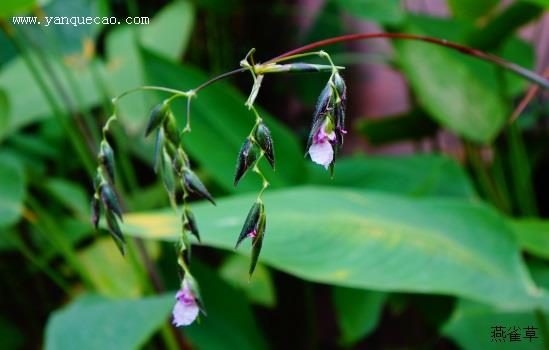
(246, 157)
(194, 185)
(116, 233)
(108, 197)
(189, 223)
(340, 86)
(106, 157)
(323, 102)
(263, 137)
(249, 230)
(257, 242)
(156, 117)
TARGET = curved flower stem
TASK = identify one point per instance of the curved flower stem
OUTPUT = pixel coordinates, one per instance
(523, 72)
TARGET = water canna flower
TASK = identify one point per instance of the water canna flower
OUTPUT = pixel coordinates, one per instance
(189, 223)
(246, 157)
(328, 128)
(194, 185)
(263, 137)
(156, 117)
(106, 158)
(108, 197)
(254, 228)
(186, 308)
(322, 142)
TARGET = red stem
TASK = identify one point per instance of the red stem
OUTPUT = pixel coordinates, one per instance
(532, 76)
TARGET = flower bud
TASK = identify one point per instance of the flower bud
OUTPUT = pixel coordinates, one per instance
(170, 129)
(257, 242)
(193, 184)
(246, 157)
(106, 158)
(323, 103)
(263, 137)
(157, 149)
(189, 223)
(249, 230)
(156, 117)
(115, 231)
(168, 178)
(108, 197)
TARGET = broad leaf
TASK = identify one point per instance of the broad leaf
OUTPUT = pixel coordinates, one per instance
(417, 175)
(358, 312)
(471, 327)
(230, 323)
(381, 11)
(95, 322)
(373, 241)
(458, 91)
(259, 289)
(533, 236)
(12, 189)
(15, 7)
(471, 9)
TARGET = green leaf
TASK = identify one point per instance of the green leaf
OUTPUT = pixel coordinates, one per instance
(544, 3)
(94, 322)
(533, 236)
(12, 189)
(522, 53)
(470, 327)
(358, 312)
(259, 289)
(417, 175)
(71, 195)
(471, 9)
(169, 31)
(220, 123)
(381, 11)
(230, 323)
(372, 240)
(110, 273)
(459, 92)
(414, 125)
(15, 7)
(4, 114)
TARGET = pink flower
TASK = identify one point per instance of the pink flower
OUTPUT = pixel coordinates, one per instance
(321, 150)
(186, 309)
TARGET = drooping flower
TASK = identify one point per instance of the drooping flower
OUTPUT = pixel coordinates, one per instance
(328, 129)
(186, 307)
(321, 149)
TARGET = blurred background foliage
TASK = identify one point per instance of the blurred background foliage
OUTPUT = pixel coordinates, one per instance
(431, 232)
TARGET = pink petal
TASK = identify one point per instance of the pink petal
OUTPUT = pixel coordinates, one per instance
(184, 313)
(322, 153)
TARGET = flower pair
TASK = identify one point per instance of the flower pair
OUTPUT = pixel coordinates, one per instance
(328, 127)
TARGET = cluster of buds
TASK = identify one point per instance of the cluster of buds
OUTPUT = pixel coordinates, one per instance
(173, 164)
(105, 195)
(257, 145)
(328, 127)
